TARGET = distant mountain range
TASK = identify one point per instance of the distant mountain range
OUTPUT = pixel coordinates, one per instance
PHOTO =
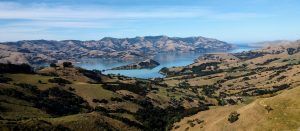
(39, 51)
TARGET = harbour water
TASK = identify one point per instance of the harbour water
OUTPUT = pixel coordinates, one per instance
(165, 60)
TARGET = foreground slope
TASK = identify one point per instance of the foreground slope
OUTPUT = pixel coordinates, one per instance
(284, 115)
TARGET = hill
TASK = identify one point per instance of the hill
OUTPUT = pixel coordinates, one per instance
(146, 64)
(64, 97)
(279, 112)
(39, 51)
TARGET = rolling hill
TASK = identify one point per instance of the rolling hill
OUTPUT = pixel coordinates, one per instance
(283, 114)
(261, 85)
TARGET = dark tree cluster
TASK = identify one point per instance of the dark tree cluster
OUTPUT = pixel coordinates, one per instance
(158, 119)
(36, 125)
(60, 102)
(13, 68)
(117, 99)
(4, 79)
(67, 64)
(292, 51)
(92, 74)
(268, 61)
(270, 91)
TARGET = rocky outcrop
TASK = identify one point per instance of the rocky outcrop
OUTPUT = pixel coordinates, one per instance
(146, 64)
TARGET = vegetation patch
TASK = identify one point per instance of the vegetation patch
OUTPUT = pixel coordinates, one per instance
(233, 117)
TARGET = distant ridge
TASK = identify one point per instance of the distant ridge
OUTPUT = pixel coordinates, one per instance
(38, 51)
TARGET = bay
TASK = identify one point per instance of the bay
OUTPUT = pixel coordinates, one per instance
(165, 60)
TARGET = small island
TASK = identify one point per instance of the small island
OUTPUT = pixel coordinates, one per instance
(146, 64)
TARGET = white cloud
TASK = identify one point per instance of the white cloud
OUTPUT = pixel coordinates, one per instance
(31, 19)
(44, 12)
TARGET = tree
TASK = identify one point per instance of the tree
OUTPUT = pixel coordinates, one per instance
(67, 64)
(53, 65)
(234, 116)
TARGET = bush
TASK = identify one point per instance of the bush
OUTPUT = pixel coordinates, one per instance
(5, 79)
(53, 65)
(291, 51)
(233, 117)
(268, 108)
(100, 101)
(116, 99)
(71, 89)
(67, 64)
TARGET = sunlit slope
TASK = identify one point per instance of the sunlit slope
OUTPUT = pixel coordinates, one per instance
(285, 115)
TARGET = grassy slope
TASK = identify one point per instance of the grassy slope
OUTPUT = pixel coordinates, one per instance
(284, 116)
(17, 109)
(90, 121)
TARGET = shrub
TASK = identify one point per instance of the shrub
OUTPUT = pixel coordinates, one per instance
(53, 65)
(176, 127)
(5, 79)
(290, 51)
(67, 64)
(246, 78)
(116, 99)
(199, 121)
(233, 117)
(268, 108)
(192, 124)
(100, 101)
(71, 89)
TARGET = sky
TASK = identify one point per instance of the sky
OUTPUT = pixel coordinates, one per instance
(235, 21)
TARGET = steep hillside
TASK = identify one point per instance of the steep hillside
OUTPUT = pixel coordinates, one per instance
(279, 112)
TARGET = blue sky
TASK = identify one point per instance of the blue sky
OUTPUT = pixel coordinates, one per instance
(236, 21)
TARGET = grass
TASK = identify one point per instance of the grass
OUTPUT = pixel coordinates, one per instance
(254, 116)
(125, 115)
(31, 79)
(19, 109)
(92, 91)
(90, 121)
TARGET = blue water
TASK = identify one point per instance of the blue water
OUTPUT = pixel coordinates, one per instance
(165, 60)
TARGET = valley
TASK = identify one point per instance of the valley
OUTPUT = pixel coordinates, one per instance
(260, 85)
